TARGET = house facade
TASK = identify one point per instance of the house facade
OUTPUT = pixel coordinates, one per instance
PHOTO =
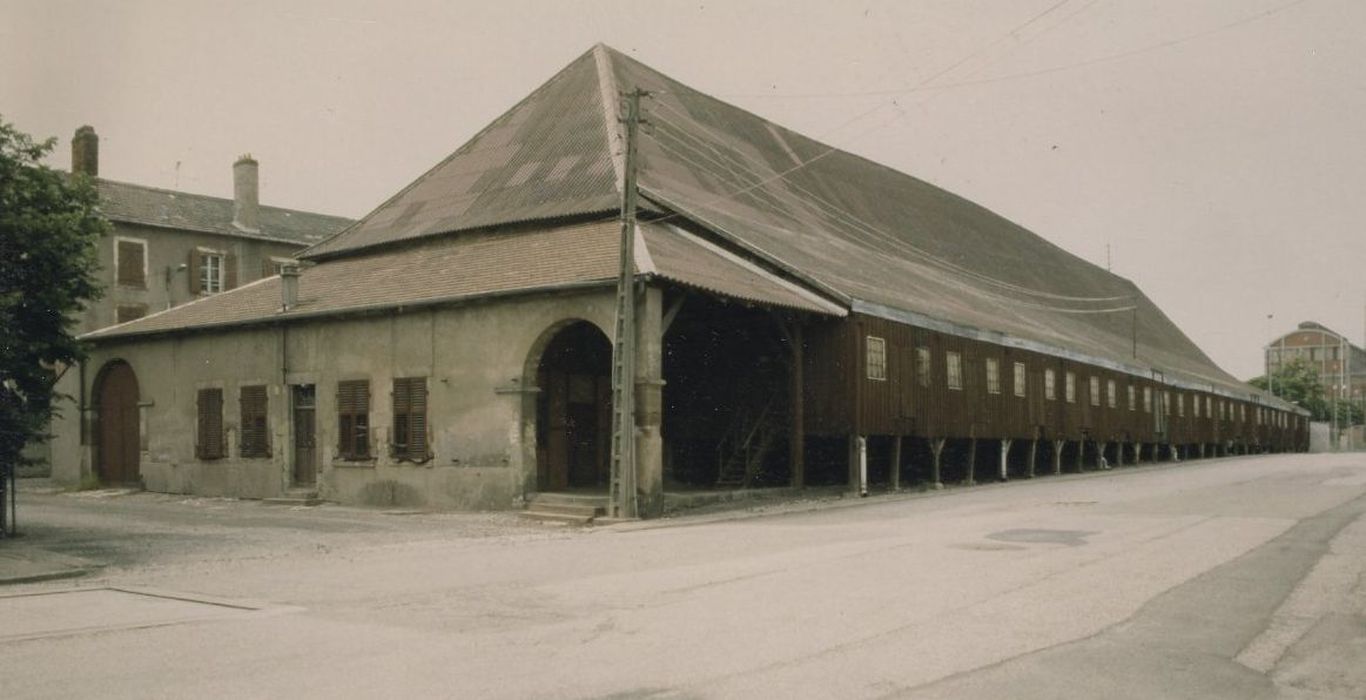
(804, 317)
(168, 247)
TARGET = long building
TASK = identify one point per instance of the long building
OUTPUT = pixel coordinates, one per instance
(804, 316)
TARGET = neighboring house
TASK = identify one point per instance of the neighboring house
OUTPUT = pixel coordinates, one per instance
(168, 247)
(803, 316)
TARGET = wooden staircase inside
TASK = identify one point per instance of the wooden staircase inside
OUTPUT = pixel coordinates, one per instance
(567, 508)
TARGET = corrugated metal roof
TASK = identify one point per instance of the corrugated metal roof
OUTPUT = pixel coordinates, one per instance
(152, 206)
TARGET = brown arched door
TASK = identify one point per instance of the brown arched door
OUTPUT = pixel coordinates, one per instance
(117, 414)
(574, 410)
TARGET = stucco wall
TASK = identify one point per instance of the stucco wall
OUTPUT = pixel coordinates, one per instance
(481, 413)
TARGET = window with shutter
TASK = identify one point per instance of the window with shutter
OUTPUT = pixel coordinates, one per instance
(353, 419)
(255, 435)
(209, 272)
(209, 438)
(410, 419)
(130, 263)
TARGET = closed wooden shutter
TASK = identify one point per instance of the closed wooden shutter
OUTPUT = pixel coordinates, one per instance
(410, 418)
(229, 271)
(209, 441)
(255, 435)
(132, 266)
(353, 418)
(193, 271)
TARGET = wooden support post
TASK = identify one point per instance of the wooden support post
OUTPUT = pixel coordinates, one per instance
(1119, 453)
(1033, 456)
(796, 449)
(862, 466)
(972, 463)
(1005, 455)
(936, 449)
(1202, 450)
(894, 469)
(1058, 445)
(1081, 455)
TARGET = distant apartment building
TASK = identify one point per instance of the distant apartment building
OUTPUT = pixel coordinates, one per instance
(1341, 365)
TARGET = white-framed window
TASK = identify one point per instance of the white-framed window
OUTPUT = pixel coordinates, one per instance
(1180, 405)
(1070, 387)
(1166, 403)
(1095, 391)
(1021, 379)
(1050, 384)
(1110, 397)
(1147, 399)
(1242, 413)
(877, 358)
(1133, 398)
(1209, 406)
(993, 375)
(130, 262)
(922, 365)
(953, 366)
(209, 271)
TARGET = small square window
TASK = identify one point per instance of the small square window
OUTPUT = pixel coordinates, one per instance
(1021, 379)
(877, 358)
(993, 375)
(953, 363)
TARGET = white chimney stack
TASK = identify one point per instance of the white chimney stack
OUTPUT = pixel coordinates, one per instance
(246, 195)
(289, 286)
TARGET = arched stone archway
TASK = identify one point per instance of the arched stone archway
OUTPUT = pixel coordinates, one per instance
(118, 424)
(572, 368)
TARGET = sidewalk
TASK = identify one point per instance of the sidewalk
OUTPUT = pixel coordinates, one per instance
(21, 562)
(24, 563)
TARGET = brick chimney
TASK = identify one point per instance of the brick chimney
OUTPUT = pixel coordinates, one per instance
(246, 195)
(85, 152)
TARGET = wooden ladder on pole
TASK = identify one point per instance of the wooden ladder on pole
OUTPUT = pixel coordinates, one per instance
(622, 492)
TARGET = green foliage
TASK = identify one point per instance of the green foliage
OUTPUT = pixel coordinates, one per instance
(49, 232)
(1298, 381)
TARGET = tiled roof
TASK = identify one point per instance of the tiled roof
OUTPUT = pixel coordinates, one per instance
(546, 158)
(472, 266)
(152, 206)
(873, 239)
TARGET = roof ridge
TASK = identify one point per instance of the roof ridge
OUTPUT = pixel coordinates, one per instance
(200, 195)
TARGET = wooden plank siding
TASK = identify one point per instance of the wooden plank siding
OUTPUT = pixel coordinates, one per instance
(841, 399)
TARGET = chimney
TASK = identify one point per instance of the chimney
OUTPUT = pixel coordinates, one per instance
(246, 196)
(289, 286)
(85, 152)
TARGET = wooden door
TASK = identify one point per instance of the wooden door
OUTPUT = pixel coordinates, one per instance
(119, 434)
(305, 435)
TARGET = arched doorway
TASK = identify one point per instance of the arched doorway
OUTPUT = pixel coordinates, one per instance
(574, 410)
(118, 442)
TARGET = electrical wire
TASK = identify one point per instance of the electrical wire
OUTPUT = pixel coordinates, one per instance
(839, 213)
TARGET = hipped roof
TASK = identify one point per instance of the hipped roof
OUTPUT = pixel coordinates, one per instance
(875, 240)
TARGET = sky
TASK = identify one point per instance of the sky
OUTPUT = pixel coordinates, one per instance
(1212, 151)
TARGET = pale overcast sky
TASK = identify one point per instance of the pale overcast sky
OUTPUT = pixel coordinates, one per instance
(1216, 146)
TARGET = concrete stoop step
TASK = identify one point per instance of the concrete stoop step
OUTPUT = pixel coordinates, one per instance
(568, 508)
(295, 497)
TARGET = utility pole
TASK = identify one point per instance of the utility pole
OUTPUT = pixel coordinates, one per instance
(622, 493)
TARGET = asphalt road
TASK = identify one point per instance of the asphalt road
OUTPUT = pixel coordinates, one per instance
(1237, 578)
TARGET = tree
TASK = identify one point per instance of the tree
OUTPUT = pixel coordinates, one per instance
(1297, 381)
(49, 232)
